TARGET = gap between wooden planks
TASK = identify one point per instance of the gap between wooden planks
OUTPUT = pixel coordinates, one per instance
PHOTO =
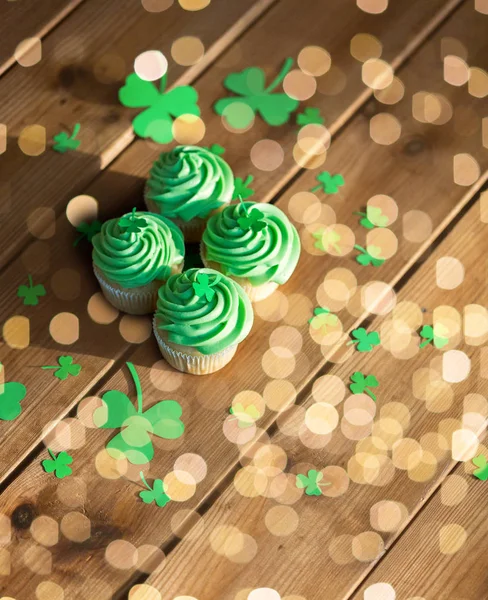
(19, 21)
(300, 563)
(135, 522)
(120, 186)
(78, 81)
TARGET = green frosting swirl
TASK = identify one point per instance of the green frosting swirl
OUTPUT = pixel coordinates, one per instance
(136, 259)
(268, 255)
(189, 182)
(209, 325)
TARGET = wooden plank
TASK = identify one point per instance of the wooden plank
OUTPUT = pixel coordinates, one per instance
(22, 20)
(431, 560)
(205, 402)
(119, 187)
(79, 83)
(380, 473)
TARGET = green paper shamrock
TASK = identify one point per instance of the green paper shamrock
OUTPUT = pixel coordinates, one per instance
(246, 417)
(373, 217)
(481, 472)
(155, 494)
(156, 122)
(311, 482)
(364, 340)
(88, 231)
(134, 441)
(322, 317)
(11, 395)
(203, 287)
(58, 465)
(65, 142)
(242, 189)
(31, 293)
(252, 219)
(131, 223)
(326, 239)
(434, 335)
(329, 184)
(362, 383)
(310, 116)
(253, 97)
(64, 368)
(216, 149)
(369, 256)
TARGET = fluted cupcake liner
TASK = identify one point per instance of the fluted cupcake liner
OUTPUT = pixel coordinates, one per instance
(196, 363)
(136, 301)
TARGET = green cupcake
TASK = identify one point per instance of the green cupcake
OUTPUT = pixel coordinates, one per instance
(255, 244)
(133, 256)
(201, 317)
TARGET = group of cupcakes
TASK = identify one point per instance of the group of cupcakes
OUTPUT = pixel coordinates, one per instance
(248, 249)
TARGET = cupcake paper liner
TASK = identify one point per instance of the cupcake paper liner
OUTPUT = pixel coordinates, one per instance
(137, 301)
(196, 364)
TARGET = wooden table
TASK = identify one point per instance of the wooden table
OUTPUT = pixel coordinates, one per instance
(401, 515)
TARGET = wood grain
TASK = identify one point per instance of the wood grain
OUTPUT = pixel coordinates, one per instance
(118, 189)
(206, 402)
(22, 20)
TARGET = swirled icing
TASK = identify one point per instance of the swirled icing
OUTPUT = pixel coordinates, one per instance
(136, 259)
(270, 254)
(210, 326)
(189, 182)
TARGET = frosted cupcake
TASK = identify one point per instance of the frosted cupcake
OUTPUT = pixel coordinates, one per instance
(254, 244)
(133, 256)
(201, 316)
(187, 185)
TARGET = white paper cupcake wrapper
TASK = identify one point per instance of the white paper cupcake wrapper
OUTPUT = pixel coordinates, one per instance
(203, 364)
(133, 303)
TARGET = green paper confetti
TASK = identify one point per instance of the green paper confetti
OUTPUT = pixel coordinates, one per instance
(156, 122)
(310, 116)
(87, 231)
(131, 223)
(373, 217)
(11, 395)
(365, 341)
(362, 383)
(434, 335)
(156, 494)
(203, 287)
(134, 441)
(64, 142)
(329, 184)
(242, 189)
(369, 256)
(326, 240)
(253, 97)
(311, 483)
(58, 465)
(31, 293)
(322, 318)
(246, 417)
(481, 472)
(65, 368)
(216, 149)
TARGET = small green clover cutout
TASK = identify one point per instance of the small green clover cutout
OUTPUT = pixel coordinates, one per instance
(87, 231)
(434, 335)
(156, 121)
(329, 184)
(216, 149)
(11, 395)
(31, 293)
(65, 142)
(481, 472)
(326, 240)
(242, 189)
(58, 464)
(203, 287)
(310, 116)
(252, 219)
(65, 368)
(323, 317)
(156, 494)
(246, 417)
(369, 256)
(311, 483)
(362, 383)
(373, 217)
(253, 97)
(364, 341)
(132, 224)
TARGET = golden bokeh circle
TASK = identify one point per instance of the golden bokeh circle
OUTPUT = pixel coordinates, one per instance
(64, 328)
(314, 60)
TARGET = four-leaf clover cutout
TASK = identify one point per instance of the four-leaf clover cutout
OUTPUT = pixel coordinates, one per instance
(329, 184)
(58, 464)
(11, 395)
(364, 341)
(203, 287)
(65, 142)
(436, 335)
(156, 494)
(481, 472)
(361, 384)
(311, 482)
(31, 293)
(254, 97)
(131, 224)
(64, 368)
(156, 122)
(242, 189)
